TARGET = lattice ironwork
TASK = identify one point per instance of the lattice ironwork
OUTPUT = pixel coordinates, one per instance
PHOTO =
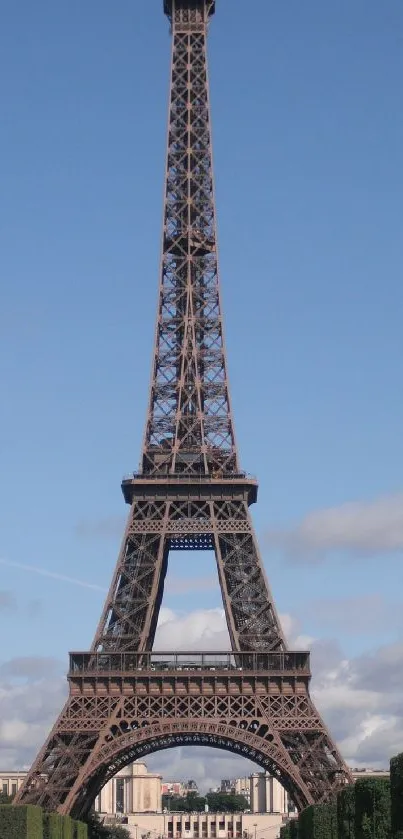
(126, 700)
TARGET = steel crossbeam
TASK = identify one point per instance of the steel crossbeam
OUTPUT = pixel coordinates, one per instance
(125, 699)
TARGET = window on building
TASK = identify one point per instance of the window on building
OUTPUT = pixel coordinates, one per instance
(13, 789)
(221, 825)
(187, 825)
(5, 789)
(120, 795)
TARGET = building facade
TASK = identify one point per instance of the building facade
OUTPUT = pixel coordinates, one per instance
(205, 825)
(263, 793)
(134, 797)
(180, 788)
(132, 790)
(10, 782)
(267, 795)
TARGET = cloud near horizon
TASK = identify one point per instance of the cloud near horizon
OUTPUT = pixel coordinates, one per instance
(358, 527)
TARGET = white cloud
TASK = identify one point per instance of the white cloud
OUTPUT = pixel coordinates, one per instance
(32, 692)
(204, 765)
(358, 527)
(206, 629)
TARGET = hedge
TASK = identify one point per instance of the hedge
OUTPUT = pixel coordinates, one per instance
(346, 812)
(294, 830)
(396, 794)
(285, 831)
(80, 830)
(67, 823)
(318, 821)
(20, 822)
(52, 826)
(372, 808)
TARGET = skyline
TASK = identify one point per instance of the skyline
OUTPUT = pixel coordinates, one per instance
(323, 433)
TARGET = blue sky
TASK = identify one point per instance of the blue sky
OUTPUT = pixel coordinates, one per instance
(308, 139)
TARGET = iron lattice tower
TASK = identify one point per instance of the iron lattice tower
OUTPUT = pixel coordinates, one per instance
(125, 699)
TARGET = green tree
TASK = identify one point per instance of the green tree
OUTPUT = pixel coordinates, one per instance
(5, 799)
(97, 830)
(372, 808)
(294, 830)
(318, 821)
(396, 793)
(346, 812)
(220, 802)
(118, 831)
(190, 803)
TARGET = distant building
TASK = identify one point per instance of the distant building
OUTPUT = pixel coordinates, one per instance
(132, 790)
(205, 825)
(242, 787)
(181, 788)
(172, 788)
(263, 793)
(370, 773)
(134, 797)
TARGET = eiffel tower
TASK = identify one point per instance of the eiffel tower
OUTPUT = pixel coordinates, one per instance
(125, 699)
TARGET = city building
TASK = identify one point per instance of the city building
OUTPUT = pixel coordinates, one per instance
(370, 773)
(204, 825)
(132, 790)
(10, 782)
(134, 798)
(178, 787)
(267, 795)
(242, 787)
(263, 793)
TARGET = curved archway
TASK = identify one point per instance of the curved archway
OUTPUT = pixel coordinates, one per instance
(123, 747)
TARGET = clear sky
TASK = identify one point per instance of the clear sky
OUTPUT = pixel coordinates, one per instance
(308, 139)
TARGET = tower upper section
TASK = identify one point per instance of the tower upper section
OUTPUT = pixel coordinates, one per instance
(205, 8)
(189, 426)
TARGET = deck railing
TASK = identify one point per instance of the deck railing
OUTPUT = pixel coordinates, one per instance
(164, 662)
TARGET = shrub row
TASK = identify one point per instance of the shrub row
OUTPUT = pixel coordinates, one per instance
(372, 808)
(31, 822)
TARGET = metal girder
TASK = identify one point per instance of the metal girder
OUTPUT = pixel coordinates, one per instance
(189, 425)
(189, 495)
(115, 716)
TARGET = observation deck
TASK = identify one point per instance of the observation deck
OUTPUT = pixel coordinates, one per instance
(184, 485)
(289, 663)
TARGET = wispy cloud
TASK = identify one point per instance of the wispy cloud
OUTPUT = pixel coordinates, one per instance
(110, 527)
(7, 601)
(185, 585)
(361, 614)
(44, 572)
(360, 527)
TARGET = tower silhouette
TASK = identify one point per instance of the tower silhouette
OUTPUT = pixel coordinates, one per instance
(126, 700)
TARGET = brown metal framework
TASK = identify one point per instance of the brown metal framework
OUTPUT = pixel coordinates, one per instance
(126, 700)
